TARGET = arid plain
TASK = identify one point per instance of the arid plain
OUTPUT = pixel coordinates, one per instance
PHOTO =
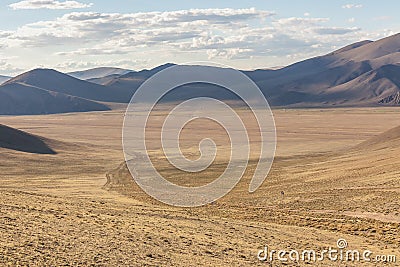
(336, 175)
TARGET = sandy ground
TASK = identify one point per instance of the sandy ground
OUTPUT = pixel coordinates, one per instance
(61, 209)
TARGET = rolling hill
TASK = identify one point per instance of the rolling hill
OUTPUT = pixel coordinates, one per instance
(132, 80)
(23, 99)
(14, 139)
(387, 140)
(97, 73)
(55, 81)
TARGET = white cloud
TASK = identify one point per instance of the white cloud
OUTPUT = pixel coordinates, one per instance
(48, 4)
(335, 30)
(4, 38)
(7, 68)
(4, 34)
(350, 6)
(94, 51)
(134, 29)
(316, 45)
(223, 16)
(299, 22)
(121, 63)
(218, 33)
(351, 20)
(230, 53)
(226, 35)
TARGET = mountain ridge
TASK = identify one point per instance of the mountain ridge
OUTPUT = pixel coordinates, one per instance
(364, 73)
(56, 81)
(98, 72)
(24, 99)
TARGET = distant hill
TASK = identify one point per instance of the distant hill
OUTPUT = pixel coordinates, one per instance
(98, 73)
(104, 80)
(365, 73)
(23, 99)
(134, 79)
(14, 139)
(4, 79)
(55, 81)
(360, 74)
(352, 46)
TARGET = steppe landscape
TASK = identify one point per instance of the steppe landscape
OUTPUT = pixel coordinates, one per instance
(77, 77)
(338, 169)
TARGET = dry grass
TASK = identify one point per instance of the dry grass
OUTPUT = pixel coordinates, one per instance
(55, 209)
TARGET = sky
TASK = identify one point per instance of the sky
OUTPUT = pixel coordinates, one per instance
(82, 34)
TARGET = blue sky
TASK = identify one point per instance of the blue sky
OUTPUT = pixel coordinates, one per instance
(70, 35)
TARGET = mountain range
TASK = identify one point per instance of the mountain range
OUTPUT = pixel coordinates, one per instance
(365, 73)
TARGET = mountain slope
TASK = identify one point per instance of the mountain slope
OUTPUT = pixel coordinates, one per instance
(23, 99)
(360, 74)
(351, 46)
(14, 139)
(388, 139)
(55, 81)
(373, 51)
(97, 73)
(132, 80)
(104, 80)
(367, 89)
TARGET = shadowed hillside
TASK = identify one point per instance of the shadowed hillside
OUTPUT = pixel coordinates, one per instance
(97, 73)
(360, 74)
(55, 81)
(14, 139)
(23, 99)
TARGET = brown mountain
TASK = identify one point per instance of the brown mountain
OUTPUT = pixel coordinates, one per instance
(55, 81)
(97, 73)
(365, 73)
(360, 74)
(23, 99)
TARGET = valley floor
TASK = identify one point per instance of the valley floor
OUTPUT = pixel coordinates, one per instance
(63, 210)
